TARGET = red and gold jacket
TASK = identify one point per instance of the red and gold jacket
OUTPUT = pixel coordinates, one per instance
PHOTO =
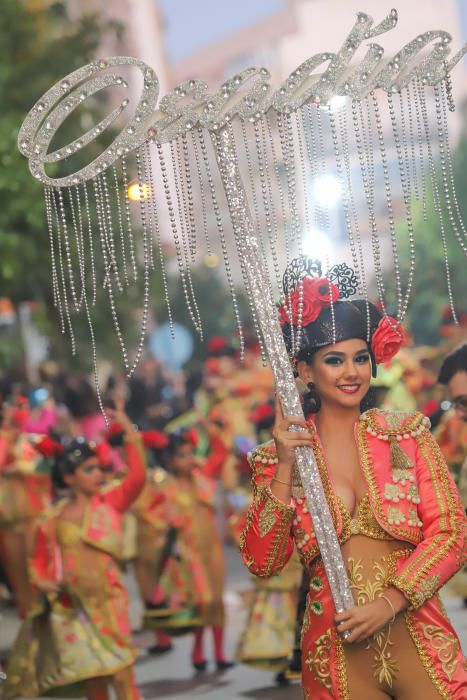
(102, 523)
(412, 495)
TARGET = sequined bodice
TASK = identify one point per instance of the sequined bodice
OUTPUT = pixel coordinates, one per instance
(363, 522)
(68, 533)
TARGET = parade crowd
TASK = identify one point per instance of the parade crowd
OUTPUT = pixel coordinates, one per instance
(159, 489)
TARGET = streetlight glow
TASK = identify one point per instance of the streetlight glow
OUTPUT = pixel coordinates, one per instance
(327, 190)
(138, 192)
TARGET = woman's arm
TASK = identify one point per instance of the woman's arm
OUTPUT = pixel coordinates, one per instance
(123, 495)
(266, 542)
(442, 551)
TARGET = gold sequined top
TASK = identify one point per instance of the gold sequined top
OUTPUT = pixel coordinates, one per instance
(363, 522)
(68, 533)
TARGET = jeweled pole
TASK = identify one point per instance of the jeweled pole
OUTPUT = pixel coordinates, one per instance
(251, 255)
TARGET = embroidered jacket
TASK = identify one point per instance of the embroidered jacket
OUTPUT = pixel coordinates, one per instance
(102, 524)
(412, 495)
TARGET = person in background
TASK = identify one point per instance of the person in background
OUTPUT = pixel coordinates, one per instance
(77, 638)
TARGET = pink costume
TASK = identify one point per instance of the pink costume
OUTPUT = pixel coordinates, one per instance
(408, 532)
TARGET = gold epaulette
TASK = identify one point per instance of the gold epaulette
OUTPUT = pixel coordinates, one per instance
(399, 424)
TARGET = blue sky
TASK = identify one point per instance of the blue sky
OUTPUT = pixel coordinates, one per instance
(193, 24)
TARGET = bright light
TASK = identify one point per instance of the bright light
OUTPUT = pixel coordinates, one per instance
(138, 192)
(316, 245)
(337, 102)
(211, 260)
(327, 190)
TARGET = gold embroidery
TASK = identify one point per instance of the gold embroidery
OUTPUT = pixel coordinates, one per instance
(316, 584)
(341, 669)
(385, 667)
(319, 662)
(267, 518)
(398, 422)
(426, 659)
(413, 518)
(402, 475)
(437, 547)
(369, 471)
(399, 458)
(446, 645)
(394, 493)
(316, 607)
(412, 494)
(395, 516)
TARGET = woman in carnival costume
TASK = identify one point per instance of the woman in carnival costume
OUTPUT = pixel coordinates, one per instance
(192, 570)
(79, 632)
(395, 508)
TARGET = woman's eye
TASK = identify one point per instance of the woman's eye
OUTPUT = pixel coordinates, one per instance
(333, 361)
(361, 359)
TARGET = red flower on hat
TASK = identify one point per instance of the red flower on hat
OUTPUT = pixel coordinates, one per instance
(104, 453)
(387, 339)
(155, 439)
(308, 300)
(48, 447)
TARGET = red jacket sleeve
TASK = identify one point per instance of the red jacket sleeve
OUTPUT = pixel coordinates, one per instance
(266, 542)
(123, 495)
(442, 551)
(218, 454)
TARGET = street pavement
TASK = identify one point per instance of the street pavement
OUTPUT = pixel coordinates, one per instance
(171, 676)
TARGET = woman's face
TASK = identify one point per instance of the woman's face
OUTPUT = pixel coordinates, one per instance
(184, 461)
(341, 373)
(88, 477)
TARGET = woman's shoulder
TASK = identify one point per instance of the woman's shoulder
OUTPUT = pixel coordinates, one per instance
(384, 423)
(263, 454)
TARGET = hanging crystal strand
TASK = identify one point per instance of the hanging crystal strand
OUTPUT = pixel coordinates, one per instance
(289, 231)
(267, 198)
(447, 174)
(98, 196)
(286, 141)
(341, 153)
(412, 139)
(202, 190)
(322, 161)
(311, 151)
(148, 191)
(48, 193)
(79, 248)
(375, 244)
(69, 262)
(61, 267)
(390, 210)
(268, 170)
(174, 229)
(191, 223)
(408, 209)
(246, 283)
(181, 202)
(90, 241)
(121, 228)
(107, 284)
(109, 228)
(146, 267)
(254, 198)
(404, 145)
(81, 229)
(158, 242)
(220, 229)
(298, 127)
(414, 97)
(436, 196)
(128, 219)
(280, 224)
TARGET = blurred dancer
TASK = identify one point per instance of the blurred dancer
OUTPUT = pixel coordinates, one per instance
(78, 631)
(195, 565)
(25, 492)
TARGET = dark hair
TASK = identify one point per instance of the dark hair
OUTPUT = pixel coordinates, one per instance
(177, 439)
(76, 452)
(453, 363)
